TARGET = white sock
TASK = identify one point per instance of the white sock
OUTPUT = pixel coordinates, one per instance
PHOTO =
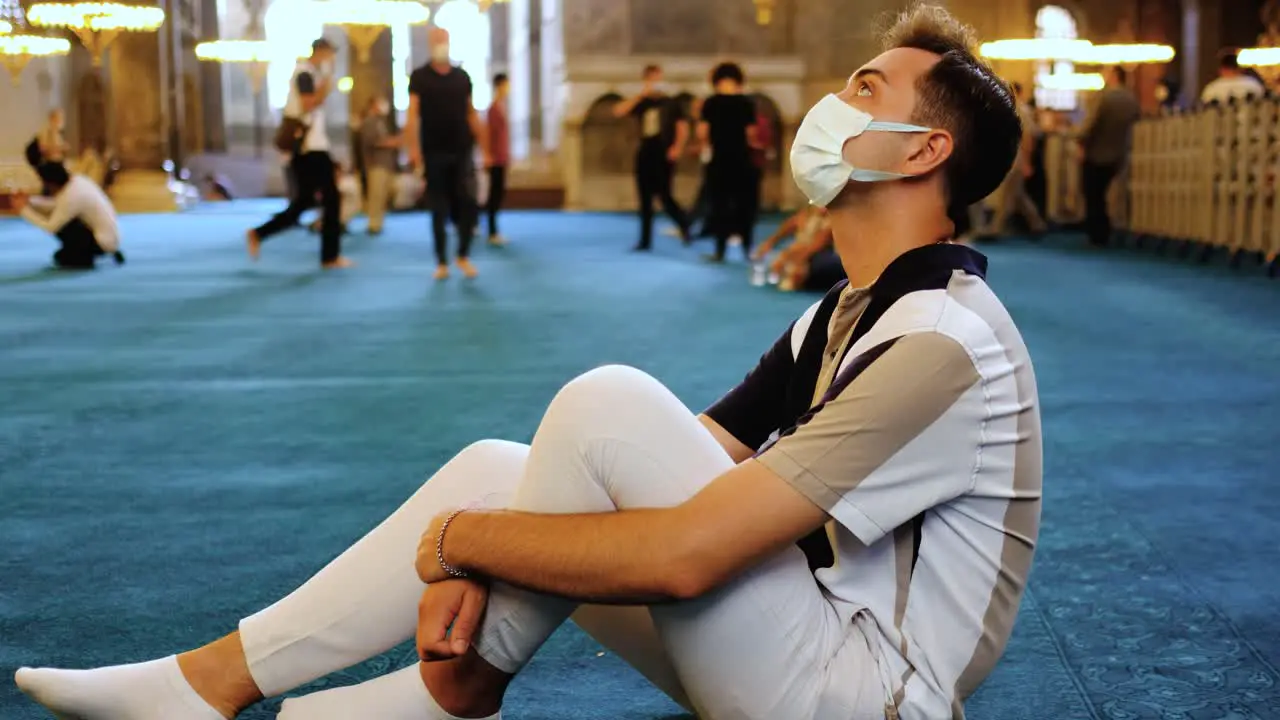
(153, 690)
(397, 696)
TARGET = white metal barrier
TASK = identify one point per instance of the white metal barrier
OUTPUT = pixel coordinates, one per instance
(1207, 178)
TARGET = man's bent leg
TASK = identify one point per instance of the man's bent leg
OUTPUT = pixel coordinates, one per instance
(79, 247)
(365, 601)
(754, 649)
(439, 196)
(362, 603)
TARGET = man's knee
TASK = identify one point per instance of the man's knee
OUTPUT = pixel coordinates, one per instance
(490, 453)
(609, 389)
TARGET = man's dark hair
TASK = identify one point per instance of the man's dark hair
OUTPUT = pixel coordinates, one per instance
(54, 175)
(650, 70)
(1121, 75)
(962, 95)
(322, 44)
(499, 79)
(1229, 59)
(728, 71)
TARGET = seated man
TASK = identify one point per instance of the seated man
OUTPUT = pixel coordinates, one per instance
(809, 263)
(79, 214)
(899, 412)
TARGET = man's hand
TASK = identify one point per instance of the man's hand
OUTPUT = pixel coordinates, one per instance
(415, 159)
(673, 154)
(19, 201)
(428, 562)
(449, 616)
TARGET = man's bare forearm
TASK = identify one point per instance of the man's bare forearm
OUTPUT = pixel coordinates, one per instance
(412, 142)
(626, 557)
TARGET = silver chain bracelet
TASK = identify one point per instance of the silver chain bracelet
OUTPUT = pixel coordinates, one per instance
(451, 570)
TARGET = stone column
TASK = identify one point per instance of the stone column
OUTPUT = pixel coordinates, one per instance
(135, 101)
(136, 98)
(519, 61)
(210, 74)
(536, 74)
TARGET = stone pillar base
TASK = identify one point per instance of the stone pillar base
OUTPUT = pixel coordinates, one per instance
(143, 191)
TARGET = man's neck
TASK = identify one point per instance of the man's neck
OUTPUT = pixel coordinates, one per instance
(441, 66)
(870, 232)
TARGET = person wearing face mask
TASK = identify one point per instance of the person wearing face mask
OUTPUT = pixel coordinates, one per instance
(381, 149)
(313, 169)
(894, 426)
(664, 130)
(442, 129)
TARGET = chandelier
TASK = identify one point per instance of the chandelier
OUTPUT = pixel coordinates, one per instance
(96, 24)
(253, 55)
(1082, 52)
(19, 47)
(365, 20)
(1265, 58)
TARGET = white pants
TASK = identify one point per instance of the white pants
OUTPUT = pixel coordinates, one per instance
(768, 645)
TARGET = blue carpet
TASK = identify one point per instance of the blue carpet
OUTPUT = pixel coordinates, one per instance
(184, 439)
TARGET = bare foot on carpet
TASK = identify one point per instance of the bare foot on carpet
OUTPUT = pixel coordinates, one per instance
(254, 242)
(441, 273)
(338, 264)
(468, 270)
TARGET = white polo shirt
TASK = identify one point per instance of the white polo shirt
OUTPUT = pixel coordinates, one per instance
(317, 139)
(81, 199)
(921, 440)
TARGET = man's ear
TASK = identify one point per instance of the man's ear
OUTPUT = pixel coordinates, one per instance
(929, 151)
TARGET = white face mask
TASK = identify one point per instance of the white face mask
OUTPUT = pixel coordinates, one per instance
(440, 52)
(817, 155)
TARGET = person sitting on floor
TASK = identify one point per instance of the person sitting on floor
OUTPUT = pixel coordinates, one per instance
(79, 214)
(809, 263)
(892, 432)
(217, 188)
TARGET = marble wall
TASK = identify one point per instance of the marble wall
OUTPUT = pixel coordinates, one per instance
(45, 84)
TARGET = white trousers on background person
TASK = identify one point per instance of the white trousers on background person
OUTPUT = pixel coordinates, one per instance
(768, 645)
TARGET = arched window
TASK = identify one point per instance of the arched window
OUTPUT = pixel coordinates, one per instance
(1055, 23)
(291, 26)
(469, 45)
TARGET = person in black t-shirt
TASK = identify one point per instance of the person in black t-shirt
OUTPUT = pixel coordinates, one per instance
(663, 133)
(442, 128)
(728, 125)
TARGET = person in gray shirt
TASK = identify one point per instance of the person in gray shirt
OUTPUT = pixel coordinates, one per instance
(1106, 138)
(381, 150)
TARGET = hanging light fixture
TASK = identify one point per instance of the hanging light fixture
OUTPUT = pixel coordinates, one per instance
(365, 20)
(1071, 81)
(253, 55)
(19, 46)
(1035, 49)
(764, 11)
(96, 24)
(1127, 54)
